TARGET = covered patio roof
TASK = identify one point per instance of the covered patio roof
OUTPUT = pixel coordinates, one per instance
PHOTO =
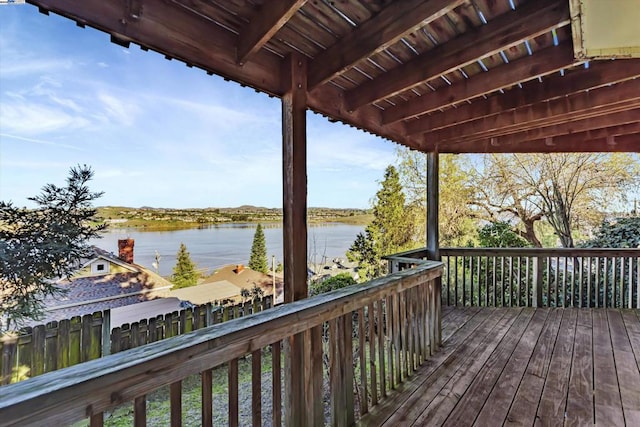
(448, 76)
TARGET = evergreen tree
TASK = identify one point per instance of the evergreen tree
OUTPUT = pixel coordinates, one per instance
(258, 258)
(184, 273)
(390, 231)
(40, 245)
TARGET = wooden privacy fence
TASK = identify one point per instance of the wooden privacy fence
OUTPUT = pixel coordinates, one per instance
(532, 277)
(358, 343)
(44, 348)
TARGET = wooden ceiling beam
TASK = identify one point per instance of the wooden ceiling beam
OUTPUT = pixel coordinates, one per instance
(582, 105)
(185, 36)
(600, 73)
(575, 143)
(558, 130)
(545, 62)
(376, 34)
(507, 30)
(264, 24)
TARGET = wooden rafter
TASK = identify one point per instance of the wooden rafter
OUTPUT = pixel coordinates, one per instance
(614, 119)
(598, 75)
(594, 103)
(505, 31)
(580, 142)
(265, 22)
(545, 62)
(397, 20)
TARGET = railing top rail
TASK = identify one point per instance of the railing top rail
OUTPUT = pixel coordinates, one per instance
(88, 388)
(543, 252)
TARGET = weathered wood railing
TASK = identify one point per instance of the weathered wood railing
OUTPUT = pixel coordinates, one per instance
(362, 341)
(505, 277)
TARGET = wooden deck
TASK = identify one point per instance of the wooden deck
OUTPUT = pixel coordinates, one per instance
(525, 366)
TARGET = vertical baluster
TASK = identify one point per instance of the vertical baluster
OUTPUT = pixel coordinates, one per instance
(364, 404)
(548, 280)
(564, 282)
(140, 411)
(464, 281)
(638, 282)
(404, 335)
(621, 303)
(233, 392)
(457, 280)
(390, 341)
(448, 279)
(614, 280)
(580, 283)
(206, 383)
(589, 287)
(256, 387)
(493, 279)
(486, 281)
(528, 301)
(381, 342)
(557, 281)
(510, 281)
(478, 265)
(630, 283)
(175, 398)
(471, 281)
(372, 355)
(597, 285)
(502, 281)
(276, 388)
(396, 337)
(605, 279)
(96, 420)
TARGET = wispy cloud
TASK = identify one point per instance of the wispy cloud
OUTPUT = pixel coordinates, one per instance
(26, 66)
(117, 109)
(40, 141)
(30, 118)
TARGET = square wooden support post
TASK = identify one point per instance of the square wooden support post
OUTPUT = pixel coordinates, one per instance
(433, 233)
(302, 364)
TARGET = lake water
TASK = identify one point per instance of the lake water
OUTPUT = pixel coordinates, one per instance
(213, 246)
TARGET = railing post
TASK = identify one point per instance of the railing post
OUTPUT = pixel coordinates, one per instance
(537, 281)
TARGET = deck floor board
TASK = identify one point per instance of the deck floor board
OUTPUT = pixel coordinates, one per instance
(524, 366)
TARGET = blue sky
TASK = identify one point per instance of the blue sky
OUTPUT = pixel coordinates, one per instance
(156, 132)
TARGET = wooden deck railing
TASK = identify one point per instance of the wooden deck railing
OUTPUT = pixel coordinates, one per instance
(361, 342)
(532, 277)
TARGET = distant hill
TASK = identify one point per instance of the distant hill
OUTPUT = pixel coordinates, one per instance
(171, 218)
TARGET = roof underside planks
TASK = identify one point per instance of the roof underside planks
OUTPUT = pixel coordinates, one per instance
(440, 75)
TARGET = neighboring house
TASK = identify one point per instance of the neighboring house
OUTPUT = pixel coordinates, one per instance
(226, 284)
(208, 292)
(145, 310)
(104, 282)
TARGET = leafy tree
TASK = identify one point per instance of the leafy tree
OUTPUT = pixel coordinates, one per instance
(621, 233)
(390, 231)
(500, 235)
(501, 197)
(40, 245)
(184, 272)
(338, 281)
(567, 189)
(457, 223)
(258, 258)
